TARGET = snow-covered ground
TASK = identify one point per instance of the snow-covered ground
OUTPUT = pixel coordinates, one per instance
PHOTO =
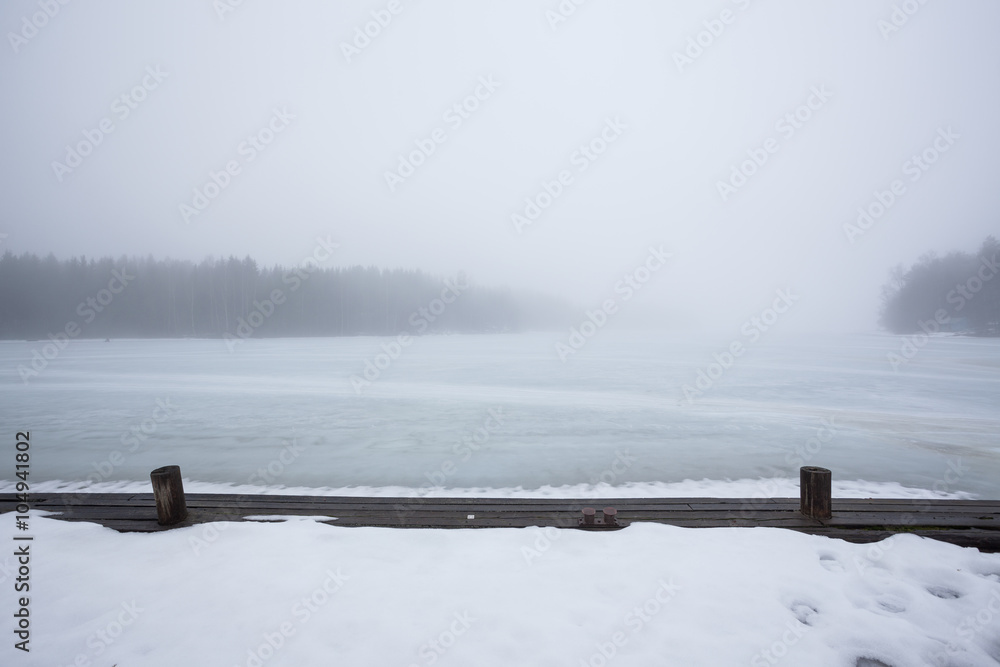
(299, 593)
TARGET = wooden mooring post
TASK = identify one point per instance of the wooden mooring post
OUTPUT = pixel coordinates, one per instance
(815, 492)
(168, 490)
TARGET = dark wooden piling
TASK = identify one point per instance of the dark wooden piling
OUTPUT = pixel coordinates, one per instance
(815, 492)
(168, 490)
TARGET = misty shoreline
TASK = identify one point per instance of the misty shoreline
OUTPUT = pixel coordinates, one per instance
(554, 329)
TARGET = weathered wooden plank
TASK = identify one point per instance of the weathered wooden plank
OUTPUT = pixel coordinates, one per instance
(879, 519)
(423, 518)
(513, 504)
(870, 514)
(967, 523)
(264, 502)
(264, 507)
(460, 518)
(10, 497)
(844, 506)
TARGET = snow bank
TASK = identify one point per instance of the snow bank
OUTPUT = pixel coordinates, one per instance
(300, 593)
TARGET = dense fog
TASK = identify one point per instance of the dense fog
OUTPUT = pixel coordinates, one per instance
(539, 146)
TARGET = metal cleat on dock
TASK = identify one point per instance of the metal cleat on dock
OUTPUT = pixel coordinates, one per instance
(607, 521)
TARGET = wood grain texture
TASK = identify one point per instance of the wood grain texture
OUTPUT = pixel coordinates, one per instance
(963, 522)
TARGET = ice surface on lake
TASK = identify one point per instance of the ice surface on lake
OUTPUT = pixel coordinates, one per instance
(283, 412)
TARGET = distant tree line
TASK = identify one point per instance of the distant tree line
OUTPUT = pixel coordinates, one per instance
(960, 291)
(135, 297)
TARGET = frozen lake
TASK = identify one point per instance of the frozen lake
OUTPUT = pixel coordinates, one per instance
(503, 411)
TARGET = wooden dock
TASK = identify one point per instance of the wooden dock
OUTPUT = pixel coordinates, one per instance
(973, 523)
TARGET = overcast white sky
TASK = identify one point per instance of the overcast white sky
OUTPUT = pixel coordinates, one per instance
(685, 129)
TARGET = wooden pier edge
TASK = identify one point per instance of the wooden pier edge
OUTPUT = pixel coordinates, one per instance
(969, 523)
